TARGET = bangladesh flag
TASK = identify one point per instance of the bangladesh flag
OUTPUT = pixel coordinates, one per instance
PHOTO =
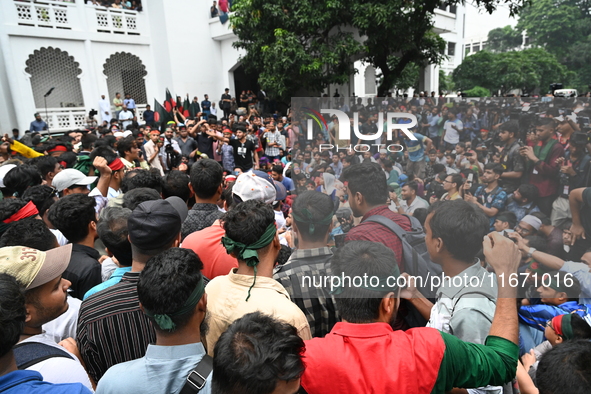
(169, 104)
(186, 106)
(194, 109)
(161, 116)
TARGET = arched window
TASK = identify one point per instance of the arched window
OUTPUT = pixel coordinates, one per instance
(370, 80)
(125, 74)
(52, 67)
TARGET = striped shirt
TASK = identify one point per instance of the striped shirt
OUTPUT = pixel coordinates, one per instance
(111, 327)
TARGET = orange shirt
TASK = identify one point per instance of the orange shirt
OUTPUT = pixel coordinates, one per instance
(207, 243)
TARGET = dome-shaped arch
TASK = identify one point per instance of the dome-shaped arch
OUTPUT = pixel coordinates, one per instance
(370, 80)
(51, 67)
(125, 73)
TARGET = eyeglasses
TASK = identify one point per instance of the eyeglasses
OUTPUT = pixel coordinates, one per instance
(518, 228)
(549, 325)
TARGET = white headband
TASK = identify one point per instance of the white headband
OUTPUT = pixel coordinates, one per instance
(532, 221)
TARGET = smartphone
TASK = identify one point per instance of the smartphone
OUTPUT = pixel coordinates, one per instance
(470, 178)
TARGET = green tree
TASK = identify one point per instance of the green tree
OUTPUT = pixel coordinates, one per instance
(563, 28)
(503, 39)
(475, 70)
(477, 91)
(446, 82)
(526, 70)
(307, 44)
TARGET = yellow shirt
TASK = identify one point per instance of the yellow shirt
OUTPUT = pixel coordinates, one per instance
(226, 302)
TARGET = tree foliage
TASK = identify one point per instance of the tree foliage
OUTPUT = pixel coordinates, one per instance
(563, 28)
(528, 70)
(307, 44)
(477, 91)
(503, 39)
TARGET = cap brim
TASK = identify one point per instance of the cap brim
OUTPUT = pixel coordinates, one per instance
(179, 205)
(87, 181)
(280, 191)
(56, 262)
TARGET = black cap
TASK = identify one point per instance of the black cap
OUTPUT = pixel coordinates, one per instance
(154, 224)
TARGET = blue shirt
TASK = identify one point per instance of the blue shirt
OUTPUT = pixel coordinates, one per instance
(416, 149)
(38, 125)
(31, 382)
(433, 121)
(288, 183)
(163, 369)
(494, 199)
(130, 103)
(205, 105)
(113, 280)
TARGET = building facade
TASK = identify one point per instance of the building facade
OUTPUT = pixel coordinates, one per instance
(83, 51)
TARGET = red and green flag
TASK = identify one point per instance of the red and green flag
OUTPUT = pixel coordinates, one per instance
(169, 103)
(161, 115)
(186, 106)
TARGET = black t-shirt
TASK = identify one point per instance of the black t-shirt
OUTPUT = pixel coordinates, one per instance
(205, 144)
(226, 104)
(242, 153)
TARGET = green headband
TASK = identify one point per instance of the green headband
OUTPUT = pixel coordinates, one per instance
(556, 284)
(164, 321)
(308, 218)
(381, 287)
(248, 253)
(567, 326)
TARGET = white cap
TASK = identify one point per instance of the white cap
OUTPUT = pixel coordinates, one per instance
(3, 171)
(251, 186)
(70, 177)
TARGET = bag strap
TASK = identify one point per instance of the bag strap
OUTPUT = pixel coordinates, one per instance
(28, 354)
(197, 378)
(390, 224)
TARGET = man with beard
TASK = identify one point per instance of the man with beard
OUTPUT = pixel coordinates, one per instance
(513, 163)
(171, 292)
(40, 275)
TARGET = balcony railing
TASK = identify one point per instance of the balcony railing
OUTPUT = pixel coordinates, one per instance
(50, 14)
(64, 119)
(111, 20)
(66, 15)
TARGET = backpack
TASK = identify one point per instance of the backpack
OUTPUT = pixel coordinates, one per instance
(416, 257)
(30, 353)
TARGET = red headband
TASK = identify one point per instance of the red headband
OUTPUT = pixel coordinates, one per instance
(25, 212)
(557, 324)
(116, 164)
(58, 148)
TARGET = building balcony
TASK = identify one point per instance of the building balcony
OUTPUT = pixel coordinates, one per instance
(219, 31)
(445, 22)
(57, 17)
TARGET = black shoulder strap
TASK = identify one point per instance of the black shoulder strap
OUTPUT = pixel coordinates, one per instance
(388, 223)
(28, 354)
(196, 379)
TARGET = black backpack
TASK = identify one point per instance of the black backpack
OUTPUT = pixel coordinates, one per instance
(416, 257)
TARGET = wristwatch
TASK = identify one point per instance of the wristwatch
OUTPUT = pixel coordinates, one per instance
(531, 252)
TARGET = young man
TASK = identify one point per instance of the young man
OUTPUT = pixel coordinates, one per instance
(490, 198)
(13, 315)
(76, 218)
(565, 369)
(152, 149)
(542, 165)
(513, 163)
(251, 237)
(244, 149)
(130, 154)
(312, 214)
(410, 201)
(273, 138)
(451, 130)
(505, 222)
(336, 165)
(553, 235)
(125, 117)
(368, 194)
(269, 345)
(48, 167)
(452, 185)
(207, 185)
(112, 230)
(171, 292)
(424, 359)
(277, 174)
(523, 201)
(118, 103)
(187, 145)
(416, 155)
(121, 332)
(170, 148)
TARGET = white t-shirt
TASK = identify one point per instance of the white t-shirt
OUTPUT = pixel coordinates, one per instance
(125, 118)
(279, 219)
(59, 369)
(452, 136)
(65, 325)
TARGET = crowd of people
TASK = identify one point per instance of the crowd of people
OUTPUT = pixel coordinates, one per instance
(200, 254)
(134, 5)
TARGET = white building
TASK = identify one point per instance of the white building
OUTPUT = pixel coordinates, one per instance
(85, 51)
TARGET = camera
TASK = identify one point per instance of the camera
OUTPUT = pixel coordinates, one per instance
(579, 138)
(168, 148)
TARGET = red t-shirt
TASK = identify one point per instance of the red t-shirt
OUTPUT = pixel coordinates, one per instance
(207, 243)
